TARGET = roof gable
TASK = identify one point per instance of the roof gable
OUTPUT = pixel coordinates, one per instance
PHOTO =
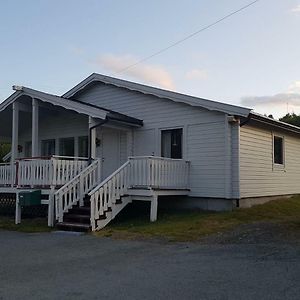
(177, 97)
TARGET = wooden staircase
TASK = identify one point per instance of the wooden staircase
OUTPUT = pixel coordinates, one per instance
(85, 203)
(78, 218)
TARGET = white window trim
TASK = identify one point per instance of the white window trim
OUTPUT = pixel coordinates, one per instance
(278, 167)
(183, 142)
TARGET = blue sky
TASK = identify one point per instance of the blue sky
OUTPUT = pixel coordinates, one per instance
(251, 59)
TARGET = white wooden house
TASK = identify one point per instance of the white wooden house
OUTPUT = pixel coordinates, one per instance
(108, 141)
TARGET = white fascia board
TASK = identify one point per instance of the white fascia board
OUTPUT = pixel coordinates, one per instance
(176, 97)
(57, 101)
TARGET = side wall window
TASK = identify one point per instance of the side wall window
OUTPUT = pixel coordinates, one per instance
(28, 149)
(278, 150)
(171, 143)
(48, 147)
(66, 147)
(83, 145)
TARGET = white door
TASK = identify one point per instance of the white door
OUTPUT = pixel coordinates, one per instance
(110, 146)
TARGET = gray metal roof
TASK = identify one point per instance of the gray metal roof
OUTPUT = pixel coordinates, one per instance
(70, 104)
(177, 97)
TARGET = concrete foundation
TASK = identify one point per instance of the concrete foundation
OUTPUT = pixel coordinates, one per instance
(248, 202)
(195, 203)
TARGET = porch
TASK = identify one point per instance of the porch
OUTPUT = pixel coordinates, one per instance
(73, 188)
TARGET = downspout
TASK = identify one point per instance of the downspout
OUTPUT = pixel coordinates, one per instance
(90, 137)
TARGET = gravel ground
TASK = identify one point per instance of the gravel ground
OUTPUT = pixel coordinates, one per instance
(234, 265)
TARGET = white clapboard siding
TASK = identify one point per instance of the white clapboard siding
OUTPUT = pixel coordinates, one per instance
(259, 177)
(203, 132)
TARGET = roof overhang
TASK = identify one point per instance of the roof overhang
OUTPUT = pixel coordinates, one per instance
(176, 97)
(56, 101)
(258, 119)
(71, 104)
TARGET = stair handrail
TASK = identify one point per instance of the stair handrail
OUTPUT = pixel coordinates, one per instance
(108, 192)
(73, 191)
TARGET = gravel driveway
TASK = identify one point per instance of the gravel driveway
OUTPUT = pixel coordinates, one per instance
(68, 266)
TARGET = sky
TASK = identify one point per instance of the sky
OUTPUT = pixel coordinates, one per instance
(251, 59)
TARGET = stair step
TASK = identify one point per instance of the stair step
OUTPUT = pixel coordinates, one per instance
(77, 218)
(70, 226)
(83, 210)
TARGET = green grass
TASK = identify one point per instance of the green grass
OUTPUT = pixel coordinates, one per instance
(192, 226)
(27, 225)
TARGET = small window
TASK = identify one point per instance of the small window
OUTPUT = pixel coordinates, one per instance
(28, 151)
(83, 146)
(278, 150)
(171, 143)
(66, 147)
(48, 147)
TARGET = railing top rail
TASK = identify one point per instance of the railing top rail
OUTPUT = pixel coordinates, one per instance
(77, 176)
(157, 158)
(52, 157)
(70, 157)
(34, 158)
(5, 164)
(108, 178)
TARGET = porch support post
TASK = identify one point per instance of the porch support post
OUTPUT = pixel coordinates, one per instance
(15, 139)
(93, 138)
(35, 128)
(153, 209)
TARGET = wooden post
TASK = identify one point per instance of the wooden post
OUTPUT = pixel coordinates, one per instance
(51, 208)
(35, 128)
(18, 210)
(15, 139)
(93, 137)
(153, 210)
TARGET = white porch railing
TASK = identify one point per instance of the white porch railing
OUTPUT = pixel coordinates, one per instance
(41, 171)
(139, 172)
(159, 172)
(54, 171)
(74, 191)
(106, 194)
(6, 174)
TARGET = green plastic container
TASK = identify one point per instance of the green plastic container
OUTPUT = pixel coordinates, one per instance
(30, 198)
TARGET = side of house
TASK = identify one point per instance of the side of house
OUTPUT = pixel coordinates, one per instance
(178, 130)
(269, 162)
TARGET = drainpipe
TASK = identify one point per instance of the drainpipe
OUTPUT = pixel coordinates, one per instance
(90, 137)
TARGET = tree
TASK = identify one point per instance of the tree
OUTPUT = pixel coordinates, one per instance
(291, 119)
(4, 149)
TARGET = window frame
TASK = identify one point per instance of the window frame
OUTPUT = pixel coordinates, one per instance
(48, 140)
(60, 141)
(278, 166)
(182, 139)
(78, 141)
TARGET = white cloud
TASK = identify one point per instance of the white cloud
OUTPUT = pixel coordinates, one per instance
(296, 9)
(294, 88)
(151, 74)
(278, 99)
(279, 104)
(196, 74)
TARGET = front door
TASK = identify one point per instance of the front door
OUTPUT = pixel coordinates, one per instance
(110, 151)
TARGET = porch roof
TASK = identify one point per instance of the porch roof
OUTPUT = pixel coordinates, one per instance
(71, 104)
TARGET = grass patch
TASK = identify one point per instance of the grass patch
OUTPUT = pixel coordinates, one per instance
(27, 225)
(187, 226)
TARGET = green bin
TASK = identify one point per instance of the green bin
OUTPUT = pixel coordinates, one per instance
(30, 198)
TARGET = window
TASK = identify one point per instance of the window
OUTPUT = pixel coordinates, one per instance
(28, 149)
(83, 146)
(66, 147)
(278, 151)
(171, 143)
(48, 147)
